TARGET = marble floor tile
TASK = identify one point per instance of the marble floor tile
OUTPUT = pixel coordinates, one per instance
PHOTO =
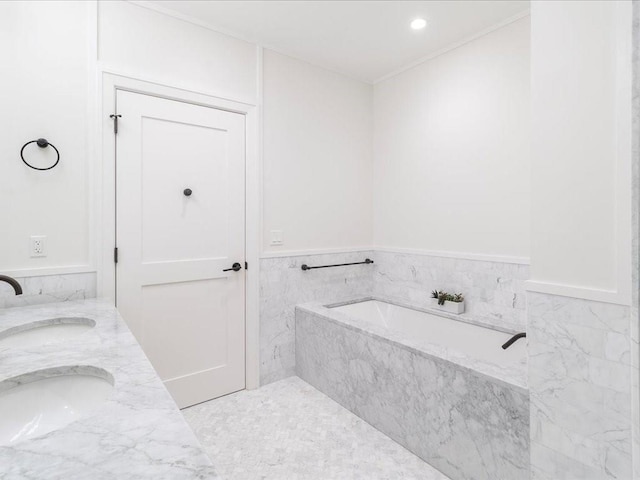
(289, 430)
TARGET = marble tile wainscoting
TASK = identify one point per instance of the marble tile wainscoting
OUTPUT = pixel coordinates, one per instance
(493, 290)
(38, 290)
(584, 364)
(580, 387)
(466, 424)
(283, 285)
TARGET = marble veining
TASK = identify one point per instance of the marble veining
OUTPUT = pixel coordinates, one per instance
(493, 290)
(514, 376)
(288, 430)
(138, 433)
(283, 285)
(467, 424)
(39, 290)
(579, 381)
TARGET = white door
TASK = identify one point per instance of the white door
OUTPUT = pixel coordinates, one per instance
(180, 224)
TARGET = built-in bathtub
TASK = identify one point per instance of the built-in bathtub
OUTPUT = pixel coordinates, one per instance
(441, 387)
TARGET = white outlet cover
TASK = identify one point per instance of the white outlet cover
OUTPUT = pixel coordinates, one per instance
(38, 246)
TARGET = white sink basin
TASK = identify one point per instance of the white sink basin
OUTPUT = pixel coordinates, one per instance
(42, 332)
(39, 402)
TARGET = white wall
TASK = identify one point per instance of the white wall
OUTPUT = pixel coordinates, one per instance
(152, 45)
(581, 145)
(316, 158)
(317, 125)
(452, 151)
(48, 65)
(45, 70)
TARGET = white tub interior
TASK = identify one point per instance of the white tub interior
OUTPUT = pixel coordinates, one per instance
(471, 340)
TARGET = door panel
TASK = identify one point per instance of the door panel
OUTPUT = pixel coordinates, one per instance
(187, 313)
(166, 208)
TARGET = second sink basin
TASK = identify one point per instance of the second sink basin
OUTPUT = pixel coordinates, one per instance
(39, 402)
(45, 331)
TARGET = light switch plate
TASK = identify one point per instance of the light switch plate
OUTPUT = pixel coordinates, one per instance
(276, 237)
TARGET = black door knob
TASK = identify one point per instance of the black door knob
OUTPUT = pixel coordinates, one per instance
(187, 192)
(235, 267)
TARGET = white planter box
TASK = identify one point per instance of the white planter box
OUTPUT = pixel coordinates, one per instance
(451, 307)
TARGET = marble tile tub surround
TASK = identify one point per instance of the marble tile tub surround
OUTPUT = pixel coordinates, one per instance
(495, 293)
(138, 433)
(453, 418)
(512, 376)
(493, 290)
(580, 389)
(37, 290)
(283, 285)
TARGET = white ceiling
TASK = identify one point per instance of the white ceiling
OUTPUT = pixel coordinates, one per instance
(367, 40)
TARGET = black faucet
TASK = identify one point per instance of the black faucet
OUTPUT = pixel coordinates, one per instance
(13, 282)
(513, 339)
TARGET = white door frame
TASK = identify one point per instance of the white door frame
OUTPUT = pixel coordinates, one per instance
(106, 191)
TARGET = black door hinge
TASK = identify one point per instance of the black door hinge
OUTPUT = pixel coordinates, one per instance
(115, 255)
(246, 266)
(115, 122)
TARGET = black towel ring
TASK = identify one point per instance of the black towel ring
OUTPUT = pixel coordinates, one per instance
(42, 143)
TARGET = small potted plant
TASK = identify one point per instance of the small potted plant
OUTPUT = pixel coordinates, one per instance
(453, 303)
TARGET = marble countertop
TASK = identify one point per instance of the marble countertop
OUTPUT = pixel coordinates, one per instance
(138, 433)
(514, 376)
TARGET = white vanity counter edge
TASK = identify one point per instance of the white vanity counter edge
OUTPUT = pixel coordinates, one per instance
(138, 433)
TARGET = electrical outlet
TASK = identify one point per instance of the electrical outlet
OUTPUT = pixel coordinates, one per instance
(276, 237)
(37, 246)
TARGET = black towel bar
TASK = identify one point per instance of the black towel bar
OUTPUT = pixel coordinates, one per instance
(307, 267)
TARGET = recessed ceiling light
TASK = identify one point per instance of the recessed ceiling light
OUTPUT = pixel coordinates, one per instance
(418, 23)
